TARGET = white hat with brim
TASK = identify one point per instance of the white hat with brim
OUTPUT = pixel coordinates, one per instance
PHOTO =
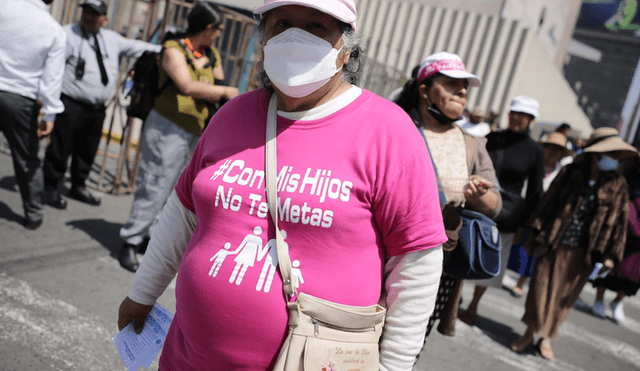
(448, 64)
(525, 104)
(342, 10)
(473, 79)
(607, 139)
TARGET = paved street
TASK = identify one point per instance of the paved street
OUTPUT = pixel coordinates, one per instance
(60, 287)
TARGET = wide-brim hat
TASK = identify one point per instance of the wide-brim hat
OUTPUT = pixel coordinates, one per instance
(557, 140)
(448, 64)
(97, 5)
(607, 139)
(342, 10)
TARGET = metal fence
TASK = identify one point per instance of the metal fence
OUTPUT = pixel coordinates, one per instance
(149, 20)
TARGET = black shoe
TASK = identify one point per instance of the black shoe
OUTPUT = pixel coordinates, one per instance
(127, 257)
(81, 194)
(54, 199)
(32, 224)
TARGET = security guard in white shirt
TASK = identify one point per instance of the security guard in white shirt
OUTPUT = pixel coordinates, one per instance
(90, 74)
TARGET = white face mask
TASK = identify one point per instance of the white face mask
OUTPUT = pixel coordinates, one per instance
(299, 63)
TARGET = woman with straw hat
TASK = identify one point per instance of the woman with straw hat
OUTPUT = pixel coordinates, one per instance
(581, 220)
(555, 150)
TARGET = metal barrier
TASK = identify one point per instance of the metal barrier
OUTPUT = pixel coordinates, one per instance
(234, 46)
(148, 20)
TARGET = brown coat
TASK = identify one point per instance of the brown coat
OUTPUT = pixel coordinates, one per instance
(608, 230)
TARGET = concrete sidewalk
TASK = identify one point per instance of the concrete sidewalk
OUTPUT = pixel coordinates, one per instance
(98, 222)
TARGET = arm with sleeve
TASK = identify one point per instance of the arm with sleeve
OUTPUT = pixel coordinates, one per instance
(534, 184)
(164, 254)
(413, 270)
(483, 166)
(411, 285)
(618, 217)
(135, 48)
(50, 84)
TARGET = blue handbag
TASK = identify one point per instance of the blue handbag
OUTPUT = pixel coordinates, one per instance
(477, 255)
(519, 261)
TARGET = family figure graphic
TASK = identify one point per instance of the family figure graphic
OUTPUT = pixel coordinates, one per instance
(250, 251)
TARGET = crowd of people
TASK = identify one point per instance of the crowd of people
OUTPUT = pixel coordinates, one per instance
(369, 189)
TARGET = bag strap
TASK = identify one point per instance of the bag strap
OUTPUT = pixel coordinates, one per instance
(290, 286)
(470, 149)
(441, 195)
(168, 81)
(211, 56)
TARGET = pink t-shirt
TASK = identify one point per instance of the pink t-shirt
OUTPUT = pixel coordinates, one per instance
(353, 186)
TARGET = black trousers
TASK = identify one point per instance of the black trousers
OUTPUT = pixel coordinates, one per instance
(19, 123)
(76, 133)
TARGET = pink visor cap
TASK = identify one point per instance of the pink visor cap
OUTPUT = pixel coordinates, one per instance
(448, 64)
(342, 10)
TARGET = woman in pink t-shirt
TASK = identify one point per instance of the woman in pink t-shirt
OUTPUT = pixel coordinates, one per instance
(358, 205)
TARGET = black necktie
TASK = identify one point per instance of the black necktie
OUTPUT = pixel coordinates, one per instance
(103, 71)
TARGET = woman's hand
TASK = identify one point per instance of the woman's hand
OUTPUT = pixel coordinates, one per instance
(476, 187)
(452, 225)
(230, 92)
(608, 264)
(130, 310)
(478, 197)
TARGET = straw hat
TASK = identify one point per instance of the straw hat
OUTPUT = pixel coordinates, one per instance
(558, 140)
(607, 139)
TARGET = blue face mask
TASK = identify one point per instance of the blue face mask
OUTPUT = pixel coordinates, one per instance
(607, 163)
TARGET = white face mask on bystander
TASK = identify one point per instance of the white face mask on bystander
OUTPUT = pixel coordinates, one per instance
(298, 63)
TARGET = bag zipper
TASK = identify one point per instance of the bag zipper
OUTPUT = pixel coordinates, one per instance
(317, 323)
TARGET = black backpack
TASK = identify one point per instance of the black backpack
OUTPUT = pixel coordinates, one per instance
(145, 89)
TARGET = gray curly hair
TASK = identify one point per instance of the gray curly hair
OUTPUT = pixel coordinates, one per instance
(352, 42)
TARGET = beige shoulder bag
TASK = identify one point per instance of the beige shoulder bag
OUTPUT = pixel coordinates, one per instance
(323, 336)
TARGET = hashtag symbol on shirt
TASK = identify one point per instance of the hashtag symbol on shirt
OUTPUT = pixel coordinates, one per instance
(221, 170)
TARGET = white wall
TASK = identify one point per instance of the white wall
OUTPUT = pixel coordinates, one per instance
(492, 7)
(512, 54)
(553, 22)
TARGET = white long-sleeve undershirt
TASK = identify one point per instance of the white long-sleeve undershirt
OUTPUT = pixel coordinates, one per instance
(411, 284)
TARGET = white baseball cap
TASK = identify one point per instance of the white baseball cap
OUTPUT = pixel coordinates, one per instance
(448, 64)
(342, 10)
(525, 104)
